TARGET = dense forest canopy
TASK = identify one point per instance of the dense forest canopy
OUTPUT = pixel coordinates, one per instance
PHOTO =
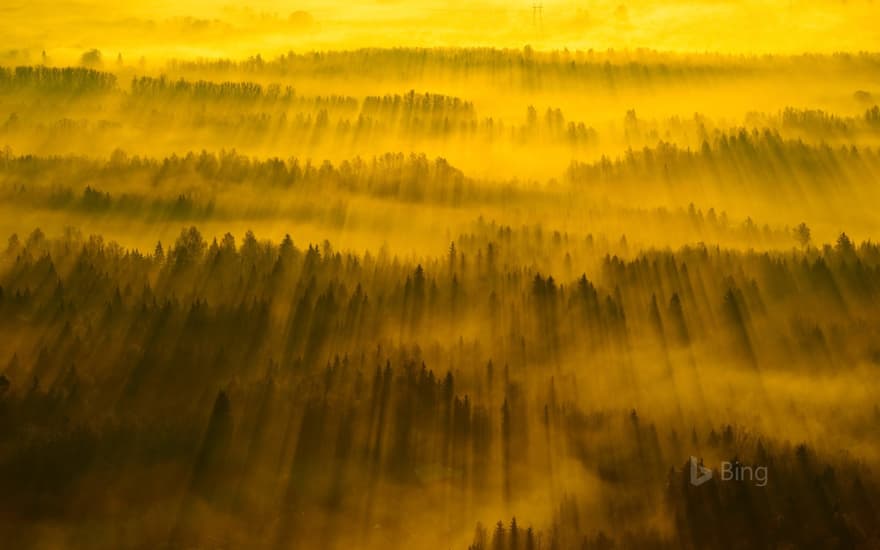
(483, 276)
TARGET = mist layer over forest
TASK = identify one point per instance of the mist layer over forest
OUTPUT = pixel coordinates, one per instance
(473, 276)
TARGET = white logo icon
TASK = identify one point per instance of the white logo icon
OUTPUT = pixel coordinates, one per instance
(699, 473)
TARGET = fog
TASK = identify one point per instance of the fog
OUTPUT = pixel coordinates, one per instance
(439, 275)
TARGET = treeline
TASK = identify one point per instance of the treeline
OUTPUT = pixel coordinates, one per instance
(271, 114)
(69, 80)
(412, 103)
(146, 87)
(313, 124)
(819, 123)
(814, 126)
(208, 186)
(313, 303)
(532, 69)
(393, 175)
(760, 162)
(96, 202)
(274, 112)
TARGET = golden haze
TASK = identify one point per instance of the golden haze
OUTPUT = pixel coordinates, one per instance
(439, 274)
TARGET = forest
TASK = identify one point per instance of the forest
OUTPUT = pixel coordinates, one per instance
(440, 275)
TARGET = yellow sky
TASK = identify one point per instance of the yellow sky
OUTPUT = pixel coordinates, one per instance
(159, 29)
